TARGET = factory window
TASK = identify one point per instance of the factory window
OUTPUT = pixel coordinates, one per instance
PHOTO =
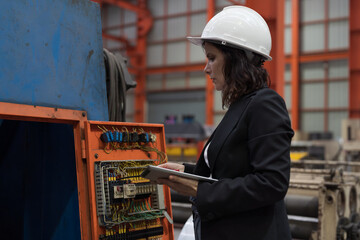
(324, 95)
(320, 31)
(167, 46)
(287, 90)
(323, 30)
(117, 23)
(287, 30)
(323, 77)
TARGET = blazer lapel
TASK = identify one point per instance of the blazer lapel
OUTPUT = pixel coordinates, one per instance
(225, 127)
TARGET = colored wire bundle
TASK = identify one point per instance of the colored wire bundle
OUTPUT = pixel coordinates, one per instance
(125, 140)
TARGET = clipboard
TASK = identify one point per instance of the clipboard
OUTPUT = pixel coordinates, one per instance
(154, 172)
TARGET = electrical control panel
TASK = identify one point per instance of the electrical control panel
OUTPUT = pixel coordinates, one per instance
(123, 204)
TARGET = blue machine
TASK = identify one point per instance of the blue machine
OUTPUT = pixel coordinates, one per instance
(50, 55)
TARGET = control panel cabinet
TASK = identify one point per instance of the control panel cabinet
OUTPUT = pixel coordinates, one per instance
(114, 202)
(124, 205)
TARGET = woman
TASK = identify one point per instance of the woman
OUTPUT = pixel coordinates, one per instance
(249, 150)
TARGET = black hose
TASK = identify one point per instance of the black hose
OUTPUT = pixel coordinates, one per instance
(118, 80)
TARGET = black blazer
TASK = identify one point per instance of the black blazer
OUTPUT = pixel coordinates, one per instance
(250, 155)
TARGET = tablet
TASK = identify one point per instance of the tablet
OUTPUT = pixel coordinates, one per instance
(154, 172)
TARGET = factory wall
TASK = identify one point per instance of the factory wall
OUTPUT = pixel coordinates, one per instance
(323, 47)
(167, 46)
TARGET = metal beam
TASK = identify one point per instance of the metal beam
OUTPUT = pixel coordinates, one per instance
(143, 13)
(318, 57)
(209, 104)
(140, 63)
(280, 55)
(115, 38)
(267, 9)
(295, 81)
(177, 68)
(354, 64)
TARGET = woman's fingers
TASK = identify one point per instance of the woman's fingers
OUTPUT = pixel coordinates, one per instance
(181, 185)
(173, 166)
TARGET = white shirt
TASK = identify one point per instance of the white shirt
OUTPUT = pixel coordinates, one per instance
(206, 156)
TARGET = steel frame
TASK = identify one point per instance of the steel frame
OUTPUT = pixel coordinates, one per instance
(354, 64)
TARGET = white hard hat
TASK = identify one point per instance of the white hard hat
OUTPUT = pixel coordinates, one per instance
(239, 27)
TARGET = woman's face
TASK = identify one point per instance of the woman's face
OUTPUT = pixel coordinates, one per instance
(215, 66)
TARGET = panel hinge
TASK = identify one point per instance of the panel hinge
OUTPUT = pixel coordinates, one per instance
(83, 152)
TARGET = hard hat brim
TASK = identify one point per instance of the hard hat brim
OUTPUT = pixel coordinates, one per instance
(199, 41)
(195, 40)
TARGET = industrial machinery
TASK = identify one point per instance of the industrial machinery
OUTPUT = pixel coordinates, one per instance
(351, 140)
(323, 204)
(323, 197)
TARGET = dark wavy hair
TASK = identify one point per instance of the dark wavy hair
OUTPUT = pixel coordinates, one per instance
(241, 75)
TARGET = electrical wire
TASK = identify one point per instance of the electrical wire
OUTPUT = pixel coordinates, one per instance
(162, 157)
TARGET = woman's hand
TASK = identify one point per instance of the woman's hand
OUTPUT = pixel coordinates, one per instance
(173, 166)
(181, 185)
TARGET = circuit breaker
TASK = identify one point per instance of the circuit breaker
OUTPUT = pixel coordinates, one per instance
(123, 204)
